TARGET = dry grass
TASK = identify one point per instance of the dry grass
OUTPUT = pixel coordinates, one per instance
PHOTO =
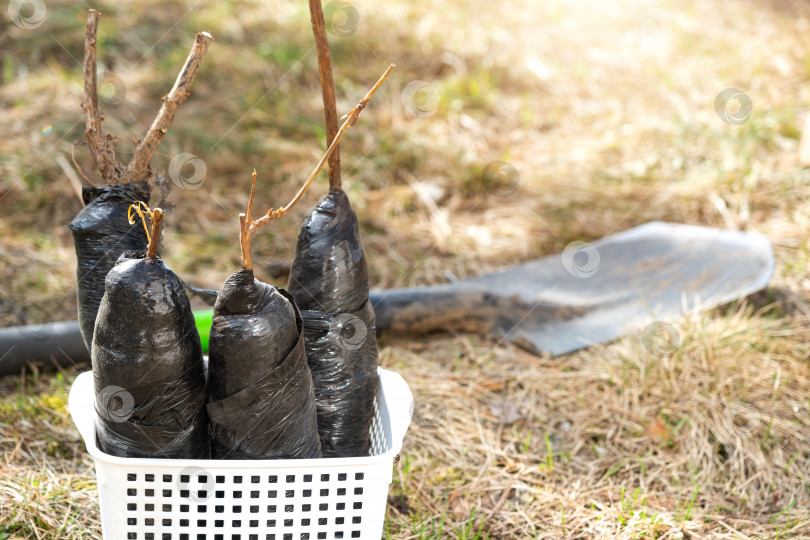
(606, 110)
(613, 442)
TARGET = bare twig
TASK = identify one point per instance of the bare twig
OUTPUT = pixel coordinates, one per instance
(248, 228)
(327, 89)
(141, 209)
(154, 239)
(244, 228)
(75, 164)
(139, 165)
(350, 120)
(250, 199)
(67, 170)
(101, 148)
(244, 242)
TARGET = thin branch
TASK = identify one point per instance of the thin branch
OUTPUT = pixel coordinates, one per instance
(250, 199)
(350, 120)
(244, 242)
(327, 89)
(248, 228)
(100, 147)
(244, 228)
(139, 165)
(154, 238)
(67, 170)
(142, 210)
(75, 164)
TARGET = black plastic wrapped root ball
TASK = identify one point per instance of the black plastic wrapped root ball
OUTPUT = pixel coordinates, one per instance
(101, 233)
(261, 398)
(329, 281)
(148, 365)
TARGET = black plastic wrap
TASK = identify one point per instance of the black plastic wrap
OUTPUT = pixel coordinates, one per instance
(329, 280)
(342, 356)
(148, 365)
(101, 233)
(261, 398)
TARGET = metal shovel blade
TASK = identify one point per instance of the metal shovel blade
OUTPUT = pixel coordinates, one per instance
(591, 293)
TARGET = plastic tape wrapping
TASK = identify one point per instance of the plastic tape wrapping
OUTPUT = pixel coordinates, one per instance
(148, 366)
(101, 233)
(262, 401)
(343, 362)
(329, 279)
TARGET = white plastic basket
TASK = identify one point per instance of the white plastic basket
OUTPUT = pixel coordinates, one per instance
(295, 499)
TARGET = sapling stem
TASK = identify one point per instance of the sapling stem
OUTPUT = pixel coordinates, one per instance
(327, 89)
(101, 148)
(248, 228)
(154, 240)
(156, 218)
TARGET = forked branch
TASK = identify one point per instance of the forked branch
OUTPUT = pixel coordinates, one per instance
(102, 147)
(248, 228)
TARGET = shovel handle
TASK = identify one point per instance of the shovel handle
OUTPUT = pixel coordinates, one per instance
(438, 308)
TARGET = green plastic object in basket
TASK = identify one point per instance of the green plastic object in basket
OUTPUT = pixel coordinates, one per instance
(204, 319)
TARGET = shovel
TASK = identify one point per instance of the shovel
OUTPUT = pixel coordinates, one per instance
(591, 293)
(588, 294)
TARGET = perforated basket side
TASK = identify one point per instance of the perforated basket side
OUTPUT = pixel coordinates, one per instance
(250, 500)
(218, 504)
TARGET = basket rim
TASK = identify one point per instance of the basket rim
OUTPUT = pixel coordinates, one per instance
(82, 397)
